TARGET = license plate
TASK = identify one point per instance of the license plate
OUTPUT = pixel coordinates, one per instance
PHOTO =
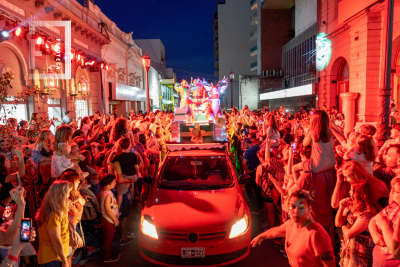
(193, 252)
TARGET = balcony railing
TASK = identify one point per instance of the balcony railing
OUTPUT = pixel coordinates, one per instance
(253, 33)
(254, 16)
(254, 48)
(252, 2)
(253, 65)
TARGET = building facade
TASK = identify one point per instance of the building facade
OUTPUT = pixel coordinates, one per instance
(31, 59)
(237, 48)
(355, 31)
(289, 30)
(163, 78)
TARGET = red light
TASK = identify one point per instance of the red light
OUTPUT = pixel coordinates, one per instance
(106, 67)
(92, 63)
(82, 62)
(72, 55)
(18, 31)
(102, 65)
(79, 57)
(39, 40)
(56, 48)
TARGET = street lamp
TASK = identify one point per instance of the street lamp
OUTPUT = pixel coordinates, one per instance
(146, 60)
(231, 76)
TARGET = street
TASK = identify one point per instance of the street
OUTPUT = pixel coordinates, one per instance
(267, 252)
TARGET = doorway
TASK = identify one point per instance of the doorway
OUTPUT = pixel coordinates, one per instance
(342, 84)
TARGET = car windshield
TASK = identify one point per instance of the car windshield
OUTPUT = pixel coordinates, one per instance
(200, 172)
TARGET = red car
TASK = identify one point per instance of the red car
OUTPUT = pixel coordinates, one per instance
(196, 214)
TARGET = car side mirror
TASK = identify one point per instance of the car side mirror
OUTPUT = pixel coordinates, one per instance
(244, 178)
(148, 180)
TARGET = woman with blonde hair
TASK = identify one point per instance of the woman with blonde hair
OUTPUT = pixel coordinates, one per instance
(75, 208)
(320, 138)
(52, 219)
(352, 171)
(363, 151)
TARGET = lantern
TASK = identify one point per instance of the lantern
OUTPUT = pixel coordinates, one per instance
(52, 82)
(83, 87)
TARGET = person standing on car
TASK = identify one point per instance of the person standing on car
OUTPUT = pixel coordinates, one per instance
(249, 164)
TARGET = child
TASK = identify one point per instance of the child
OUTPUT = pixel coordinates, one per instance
(363, 152)
(61, 159)
(109, 218)
(23, 126)
(129, 166)
(42, 147)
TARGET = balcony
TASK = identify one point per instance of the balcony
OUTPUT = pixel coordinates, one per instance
(253, 4)
(253, 19)
(216, 64)
(253, 66)
(278, 4)
(253, 51)
(253, 34)
(216, 54)
(216, 73)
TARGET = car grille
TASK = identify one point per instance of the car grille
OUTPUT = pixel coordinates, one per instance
(184, 236)
(207, 260)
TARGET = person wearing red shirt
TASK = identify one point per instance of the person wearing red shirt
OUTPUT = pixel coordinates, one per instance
(307, 243)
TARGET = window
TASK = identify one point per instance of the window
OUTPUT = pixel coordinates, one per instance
(344, 71)
(81, 108)
(19, 113)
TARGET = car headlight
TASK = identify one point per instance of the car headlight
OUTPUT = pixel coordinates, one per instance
(148, 228)
(240, 227)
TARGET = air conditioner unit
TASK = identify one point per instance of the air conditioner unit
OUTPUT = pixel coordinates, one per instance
(265, 73)
(273, 73)
(280, 73)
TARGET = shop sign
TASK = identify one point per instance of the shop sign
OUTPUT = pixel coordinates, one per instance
(129, 93)
(308, 89)
(324, 51)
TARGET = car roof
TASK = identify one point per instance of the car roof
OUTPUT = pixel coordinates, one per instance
(198, 152)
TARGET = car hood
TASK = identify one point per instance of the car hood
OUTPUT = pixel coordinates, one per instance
(179, 210)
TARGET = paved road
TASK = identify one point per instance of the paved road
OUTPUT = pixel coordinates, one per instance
(268, 252)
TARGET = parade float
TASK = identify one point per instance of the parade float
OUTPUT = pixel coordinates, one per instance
(199, 118)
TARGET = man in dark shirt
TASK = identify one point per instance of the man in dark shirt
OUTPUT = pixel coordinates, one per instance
(249, 164)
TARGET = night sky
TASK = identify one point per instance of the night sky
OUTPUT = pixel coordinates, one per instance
(184, 27)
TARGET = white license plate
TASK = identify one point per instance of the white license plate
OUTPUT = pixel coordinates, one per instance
(193, 252)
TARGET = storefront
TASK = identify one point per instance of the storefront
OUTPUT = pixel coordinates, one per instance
(294, 97)
(124, 96)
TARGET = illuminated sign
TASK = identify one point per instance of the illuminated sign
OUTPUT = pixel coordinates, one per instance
(308, 89)
(324, 51)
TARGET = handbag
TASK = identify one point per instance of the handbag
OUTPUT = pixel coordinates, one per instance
(89, 211)
(76, 240)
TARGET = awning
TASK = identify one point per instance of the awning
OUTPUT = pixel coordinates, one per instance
(303, 90)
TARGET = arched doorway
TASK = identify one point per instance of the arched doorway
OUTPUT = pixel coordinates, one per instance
(342, 83)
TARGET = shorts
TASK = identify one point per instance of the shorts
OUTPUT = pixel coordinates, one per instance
(125, 208)
(122, 188)
(36, 156)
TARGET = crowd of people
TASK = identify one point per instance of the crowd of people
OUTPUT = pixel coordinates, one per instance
(327, 197)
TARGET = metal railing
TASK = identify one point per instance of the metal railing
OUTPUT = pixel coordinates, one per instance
(254, 48)
(253, 33)
(253, 65)
(252, 2)
(254, 16)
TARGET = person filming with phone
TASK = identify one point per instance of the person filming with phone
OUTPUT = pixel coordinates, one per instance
(15, 234)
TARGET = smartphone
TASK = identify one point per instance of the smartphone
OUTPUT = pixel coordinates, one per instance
(152, 134)
(312, 112)
(26, 228)
(260, 121)
(244, 132)
(293, 145)
(275, 140)
(297, 123)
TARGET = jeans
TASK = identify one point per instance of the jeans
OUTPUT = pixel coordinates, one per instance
(253, 191)
(108, 236)
(52, 264)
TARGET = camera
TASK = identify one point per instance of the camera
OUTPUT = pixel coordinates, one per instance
(26, 228)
